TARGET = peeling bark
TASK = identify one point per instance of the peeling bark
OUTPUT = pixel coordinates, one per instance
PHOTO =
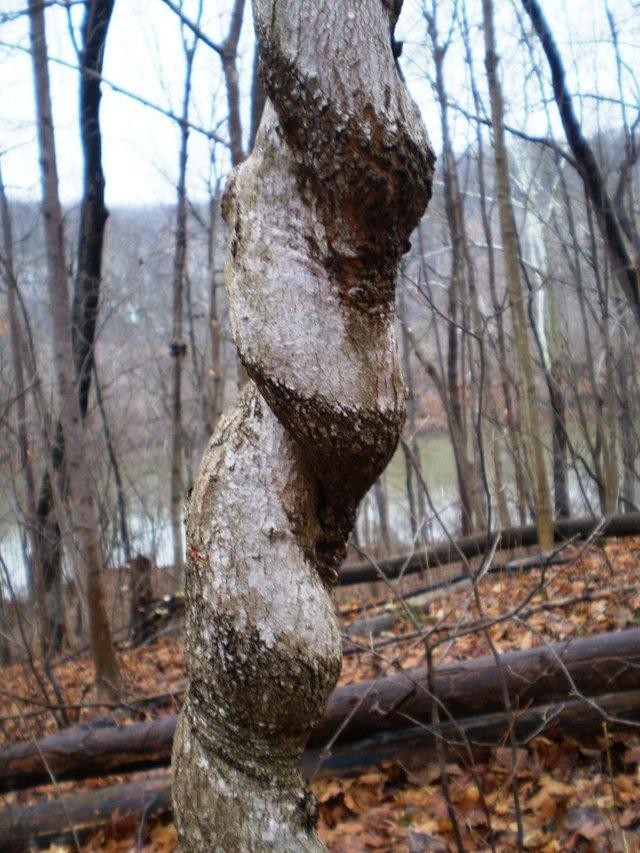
(319, 216)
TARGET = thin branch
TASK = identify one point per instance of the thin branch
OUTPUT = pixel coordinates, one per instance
(195, 28)
(210, 134)
(546, 141)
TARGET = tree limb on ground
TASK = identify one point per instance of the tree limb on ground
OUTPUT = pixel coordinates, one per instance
(588, 666)
(136, 804)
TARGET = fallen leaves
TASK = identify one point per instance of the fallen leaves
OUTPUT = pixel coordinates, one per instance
(573, 795)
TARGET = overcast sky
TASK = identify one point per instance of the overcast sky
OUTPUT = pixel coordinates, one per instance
(144, 55)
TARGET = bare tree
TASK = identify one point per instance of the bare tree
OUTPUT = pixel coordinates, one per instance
(84, 540)
(625, 266)
(34, 568)
(461, 290)
(318, 216)
(86, 297)
(517, 296)
(178, 346)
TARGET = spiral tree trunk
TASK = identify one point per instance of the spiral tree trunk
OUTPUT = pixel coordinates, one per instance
(318, 216)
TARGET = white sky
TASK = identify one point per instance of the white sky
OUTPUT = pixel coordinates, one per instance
(144, 55)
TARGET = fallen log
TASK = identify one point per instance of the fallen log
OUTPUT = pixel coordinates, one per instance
(371, 626)
(478, 544)
(604, 663)
(467, 737)
(129, 806)
(87, 750)
(136, 804)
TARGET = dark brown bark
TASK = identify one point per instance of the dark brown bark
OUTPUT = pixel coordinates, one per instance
(460, 737)
(477, 545)
(604, 663)
(141, 596)
(93, 211)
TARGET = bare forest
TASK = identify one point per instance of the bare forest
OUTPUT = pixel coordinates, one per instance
(319, 425)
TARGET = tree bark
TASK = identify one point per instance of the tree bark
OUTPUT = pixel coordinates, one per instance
(86, 546)
(512, 431)
(149, 799)
(141, 597)
(93, 211)
(318, 217)
(34, 568)
(74, 817)
(382, 508)
(123, 518)
(229, 58)
(5, 646)
(462, 282)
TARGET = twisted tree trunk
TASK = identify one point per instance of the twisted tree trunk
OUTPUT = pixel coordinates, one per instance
(318, 217)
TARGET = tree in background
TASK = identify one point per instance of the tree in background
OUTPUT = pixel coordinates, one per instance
(517, 295)
(83, 537)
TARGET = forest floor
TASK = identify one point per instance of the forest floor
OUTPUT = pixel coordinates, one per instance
(573, 794)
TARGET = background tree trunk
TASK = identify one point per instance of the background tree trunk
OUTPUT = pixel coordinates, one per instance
(535, 445)
(283, 475)
(34, 570)
(624, 264)
(85, 542)
(86, 300)
(178, 347)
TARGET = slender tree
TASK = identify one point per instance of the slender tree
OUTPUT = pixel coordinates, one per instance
(86, 297)
(93, 211)
(318, 217)
(84, 540)
(178, 346)
(524, 360)
(626, 266)
(34, 569)
(462, 282)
